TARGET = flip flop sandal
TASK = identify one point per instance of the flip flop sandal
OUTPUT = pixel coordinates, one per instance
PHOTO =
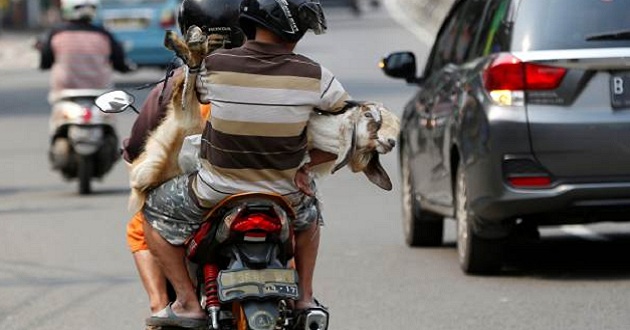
(172, 320)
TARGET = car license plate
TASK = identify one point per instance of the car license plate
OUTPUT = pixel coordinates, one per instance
(257, 283)
(620, 90)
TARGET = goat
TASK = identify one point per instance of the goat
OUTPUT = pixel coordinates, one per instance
(158, 162)
(357, 135)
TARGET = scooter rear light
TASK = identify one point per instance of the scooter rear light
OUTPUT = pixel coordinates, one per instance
(87, 115)
(256, 222)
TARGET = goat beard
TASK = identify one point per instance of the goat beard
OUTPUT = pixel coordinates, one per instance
(359, 161)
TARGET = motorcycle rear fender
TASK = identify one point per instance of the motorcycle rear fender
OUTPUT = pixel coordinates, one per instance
(261, 315)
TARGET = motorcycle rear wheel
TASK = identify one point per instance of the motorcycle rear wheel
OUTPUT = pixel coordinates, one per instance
(85, 172)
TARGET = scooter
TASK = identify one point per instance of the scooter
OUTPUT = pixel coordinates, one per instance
(240, 258)
(83, 140)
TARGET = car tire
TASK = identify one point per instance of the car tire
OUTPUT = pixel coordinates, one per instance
(476, 255)
(420, 227)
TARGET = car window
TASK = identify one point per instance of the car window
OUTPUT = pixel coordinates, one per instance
(494, 35)
(442, 51)
(566, 24)
(467, 29)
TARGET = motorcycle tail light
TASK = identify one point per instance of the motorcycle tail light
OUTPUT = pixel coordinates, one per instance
(507, 78)
(256, 222)
(87, 115)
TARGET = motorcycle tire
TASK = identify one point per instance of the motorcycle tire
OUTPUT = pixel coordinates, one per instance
(85, 173)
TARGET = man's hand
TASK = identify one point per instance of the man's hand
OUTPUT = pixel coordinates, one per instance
(303, 180)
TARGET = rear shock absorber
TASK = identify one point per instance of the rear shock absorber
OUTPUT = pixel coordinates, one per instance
(213, 306)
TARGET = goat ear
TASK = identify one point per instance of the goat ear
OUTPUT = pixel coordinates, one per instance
(347, 142)
(376, 173)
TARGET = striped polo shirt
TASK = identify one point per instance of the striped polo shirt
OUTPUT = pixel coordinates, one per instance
(262, 96)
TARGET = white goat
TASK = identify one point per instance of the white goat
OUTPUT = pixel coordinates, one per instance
(357, 136)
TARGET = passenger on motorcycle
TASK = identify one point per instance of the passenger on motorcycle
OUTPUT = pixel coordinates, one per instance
(218, 14)
(262, 95)
(80, 54)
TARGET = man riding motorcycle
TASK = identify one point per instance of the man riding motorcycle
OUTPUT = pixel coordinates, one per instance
(255, 141)
(81, 55)
(221, 15)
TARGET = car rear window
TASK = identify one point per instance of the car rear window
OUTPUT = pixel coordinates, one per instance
(566, 24)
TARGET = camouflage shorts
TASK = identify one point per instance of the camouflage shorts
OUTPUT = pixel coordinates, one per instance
(175, 215)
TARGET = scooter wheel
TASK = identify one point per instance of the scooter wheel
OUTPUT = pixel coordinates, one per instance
(86, 169)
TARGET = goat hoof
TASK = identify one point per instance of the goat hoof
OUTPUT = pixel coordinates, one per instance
(195, 38)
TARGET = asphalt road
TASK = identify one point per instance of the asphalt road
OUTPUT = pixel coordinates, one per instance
(64, 264)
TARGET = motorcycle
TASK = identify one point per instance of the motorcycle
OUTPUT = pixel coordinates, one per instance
(83, 143)
(240, 258)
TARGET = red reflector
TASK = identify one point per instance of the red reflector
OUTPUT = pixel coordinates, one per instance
(256, 221)
(508, 73)
(530, 181)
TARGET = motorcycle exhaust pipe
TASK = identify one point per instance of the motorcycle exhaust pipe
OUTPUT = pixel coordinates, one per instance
(314, 319)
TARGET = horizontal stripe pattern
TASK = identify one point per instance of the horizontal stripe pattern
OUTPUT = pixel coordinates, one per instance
(260, 129)
(256, 152)
(262, 97)
(264, 81)
(82, 60)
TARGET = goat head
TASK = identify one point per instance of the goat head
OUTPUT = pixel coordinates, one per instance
(368, 129)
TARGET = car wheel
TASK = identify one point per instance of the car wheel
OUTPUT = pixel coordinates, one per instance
(421, 227)
(476, 255)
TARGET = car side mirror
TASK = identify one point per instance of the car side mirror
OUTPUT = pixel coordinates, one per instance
(400, 65)
(115, 102)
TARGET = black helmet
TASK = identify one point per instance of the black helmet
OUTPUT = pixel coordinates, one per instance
(289, 19)
(212, 16)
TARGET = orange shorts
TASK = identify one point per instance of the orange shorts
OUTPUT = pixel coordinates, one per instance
(135, 233)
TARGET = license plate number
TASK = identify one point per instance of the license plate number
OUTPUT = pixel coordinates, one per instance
(620, 90)
(257, 283)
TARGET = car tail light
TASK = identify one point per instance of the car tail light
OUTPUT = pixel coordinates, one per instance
(256, 222)
(167, 19)
(507, 78)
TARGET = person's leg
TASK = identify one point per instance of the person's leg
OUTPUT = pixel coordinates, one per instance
(153, 279)
(171, 217)
(151, 274)
(171, 257)
(306, 248)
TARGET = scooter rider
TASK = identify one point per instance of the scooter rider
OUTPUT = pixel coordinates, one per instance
(218, 15)
(262, 95)
(81, 55)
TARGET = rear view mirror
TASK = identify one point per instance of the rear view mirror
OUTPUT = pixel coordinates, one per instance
(400, 65)
(115, 102)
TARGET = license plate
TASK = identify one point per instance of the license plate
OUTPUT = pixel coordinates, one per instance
(247, 283)
(620, 90)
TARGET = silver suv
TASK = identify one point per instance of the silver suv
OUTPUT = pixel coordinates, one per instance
(522, 119)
